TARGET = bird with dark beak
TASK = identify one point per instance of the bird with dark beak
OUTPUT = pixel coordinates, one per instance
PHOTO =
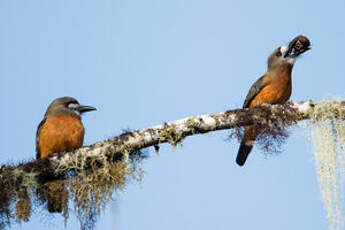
(60, 130)
(274, 87)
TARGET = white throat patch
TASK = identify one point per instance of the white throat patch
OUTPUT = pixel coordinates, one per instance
(283, 49)
(288, 59)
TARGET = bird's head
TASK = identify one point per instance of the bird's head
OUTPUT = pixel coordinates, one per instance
(285, 56)
(67, 106)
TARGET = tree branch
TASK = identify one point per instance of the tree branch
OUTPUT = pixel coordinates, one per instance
(120, 147)
(103, 167)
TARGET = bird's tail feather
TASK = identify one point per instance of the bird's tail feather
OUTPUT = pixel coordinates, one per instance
(243, 152)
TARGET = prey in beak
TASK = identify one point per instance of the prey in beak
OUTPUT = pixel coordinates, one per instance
(297, 46)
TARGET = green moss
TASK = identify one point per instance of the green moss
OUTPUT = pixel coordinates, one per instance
(192, 125)
(170, 135)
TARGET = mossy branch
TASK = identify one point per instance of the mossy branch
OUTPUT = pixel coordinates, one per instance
(116, 148)
(16, 181)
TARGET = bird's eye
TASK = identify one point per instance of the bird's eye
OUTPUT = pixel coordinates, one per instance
(278, 54)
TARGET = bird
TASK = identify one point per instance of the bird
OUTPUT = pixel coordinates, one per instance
(60, 130)
(274, 87)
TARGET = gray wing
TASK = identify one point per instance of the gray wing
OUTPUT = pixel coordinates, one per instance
(38, 151)
(254, 90)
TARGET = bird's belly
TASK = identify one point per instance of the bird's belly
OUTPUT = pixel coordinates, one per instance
(276, 93)
(59, 134)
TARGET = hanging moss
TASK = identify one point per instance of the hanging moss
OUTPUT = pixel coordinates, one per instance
(328, 137)
(89, 185)
(270, 127)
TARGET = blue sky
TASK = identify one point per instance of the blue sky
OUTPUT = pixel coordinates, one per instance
(145, 62)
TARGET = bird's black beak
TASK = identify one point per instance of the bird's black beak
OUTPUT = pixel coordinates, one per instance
(297, 46)
(85, 108)
(291, 50)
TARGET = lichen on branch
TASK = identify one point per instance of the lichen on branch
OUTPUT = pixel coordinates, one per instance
(94, 172)
(328, 138)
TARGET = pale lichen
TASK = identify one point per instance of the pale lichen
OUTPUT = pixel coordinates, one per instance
(328, 136)
(95, 181)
